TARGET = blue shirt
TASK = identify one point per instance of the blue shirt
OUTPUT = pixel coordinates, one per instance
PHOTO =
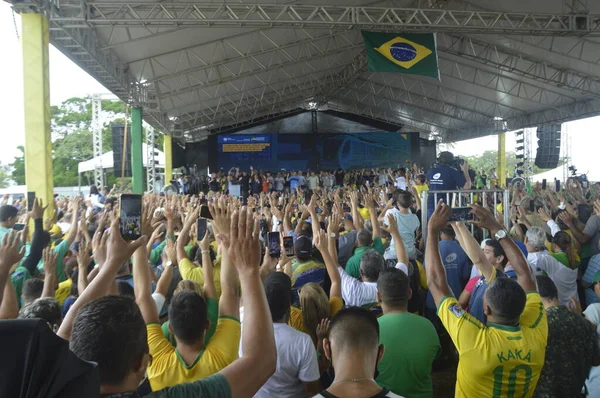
(443, 178)
(476, 302)
(588, 277)
(457, 266)
(293, 182)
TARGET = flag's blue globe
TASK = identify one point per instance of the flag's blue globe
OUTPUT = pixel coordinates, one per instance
(403, 52)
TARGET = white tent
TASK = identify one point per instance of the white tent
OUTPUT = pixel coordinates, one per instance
(106, 160)
(558, 174)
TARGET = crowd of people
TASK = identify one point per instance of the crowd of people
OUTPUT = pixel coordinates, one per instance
(365, 306)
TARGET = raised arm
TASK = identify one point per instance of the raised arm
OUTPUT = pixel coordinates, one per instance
(50, 281)
(322, 244)
(169, 255)
(392, 228)
(83, 260)
(9, 256)
(76, 203)
(115, 252)
(259, 356)
(436, 274)
(473, 250)
(485, 219)
(370, 204)
(209, 279)
(143, 287)
(229, 304)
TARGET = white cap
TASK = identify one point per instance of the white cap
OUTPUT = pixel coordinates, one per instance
(483, 243)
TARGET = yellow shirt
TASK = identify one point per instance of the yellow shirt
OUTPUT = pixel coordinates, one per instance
(190, 271)
(296, 321)
(63, 290)
(169, 369)
(364, 213)
(497, 360)
(421, 188)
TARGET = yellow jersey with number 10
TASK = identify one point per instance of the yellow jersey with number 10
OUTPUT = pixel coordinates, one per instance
(497, 360)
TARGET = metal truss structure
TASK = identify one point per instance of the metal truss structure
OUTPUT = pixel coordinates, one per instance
(151, 157)
(97, 138)
(200, 68)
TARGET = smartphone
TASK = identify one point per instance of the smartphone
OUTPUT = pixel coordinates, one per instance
(19, 227)
(274, 244)
(130, 212)
(30, 200)
(531, 206)
(347, 209)
(201, 226)
(288, 245)
(557, 185)
(205, 212)
(462, 214)
(319, 210)
(544, 184)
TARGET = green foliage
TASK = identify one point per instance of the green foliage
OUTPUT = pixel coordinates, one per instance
(18, 167)
(489, 160)
(72, 140)
(4, 175)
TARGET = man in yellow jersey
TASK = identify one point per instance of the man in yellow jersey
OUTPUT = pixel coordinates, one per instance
(191, 359)
(505, 357)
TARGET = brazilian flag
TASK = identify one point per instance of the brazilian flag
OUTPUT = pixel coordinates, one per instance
(413, 54)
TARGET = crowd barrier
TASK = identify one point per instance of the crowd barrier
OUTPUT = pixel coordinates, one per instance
(461, 198)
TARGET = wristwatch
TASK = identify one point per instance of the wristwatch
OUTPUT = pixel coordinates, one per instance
(501, 234)
(169, 263)
(331, 235)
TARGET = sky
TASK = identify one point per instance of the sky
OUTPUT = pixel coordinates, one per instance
(68, 80)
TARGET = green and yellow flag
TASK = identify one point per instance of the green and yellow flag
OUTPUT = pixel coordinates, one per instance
(403, 53)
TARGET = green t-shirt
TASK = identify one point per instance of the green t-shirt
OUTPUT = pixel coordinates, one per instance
(4, 231)
(212, 311)
(215, 386)
(411, 344)
(353, 264)
(61, 250)
(18, 278)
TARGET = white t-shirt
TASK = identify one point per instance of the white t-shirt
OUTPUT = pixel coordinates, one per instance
(407, 226)
(296, 363)
(401, 183)
(563, 277)
(358, 293)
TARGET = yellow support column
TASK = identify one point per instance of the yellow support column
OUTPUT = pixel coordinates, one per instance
(168, 149)
(35, 38)
(501, 172)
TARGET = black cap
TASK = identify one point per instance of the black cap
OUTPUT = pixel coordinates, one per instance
(303, 246)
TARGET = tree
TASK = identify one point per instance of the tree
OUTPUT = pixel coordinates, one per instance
(489, 160)
(4, 175)
(18, 167)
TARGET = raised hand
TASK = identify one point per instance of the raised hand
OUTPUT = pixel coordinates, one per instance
(323, 329)
(244, 246)
(49, 258)
(392, 226)
(83, 256)
(485, 219)
(544, 214)
(221, 214)
(118, 251)
(321, 242)
(441, 215)
(9, 251)
(38, 209)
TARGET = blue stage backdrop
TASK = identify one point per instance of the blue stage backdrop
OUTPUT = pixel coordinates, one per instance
(276, 152)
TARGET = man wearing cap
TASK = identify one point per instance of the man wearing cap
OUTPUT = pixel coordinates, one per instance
(445, 178)
(306, 269)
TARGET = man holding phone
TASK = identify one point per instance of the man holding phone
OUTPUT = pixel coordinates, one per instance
(446, 178)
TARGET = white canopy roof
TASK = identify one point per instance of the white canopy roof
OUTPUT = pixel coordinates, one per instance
(557, 174)
(106, 160)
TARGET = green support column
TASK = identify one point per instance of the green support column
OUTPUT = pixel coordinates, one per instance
(36, 89)
(137, 162)
(168, 149)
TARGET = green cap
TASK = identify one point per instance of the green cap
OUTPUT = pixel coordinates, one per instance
(596, 277)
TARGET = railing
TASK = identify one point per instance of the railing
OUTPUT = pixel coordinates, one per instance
(461, 198)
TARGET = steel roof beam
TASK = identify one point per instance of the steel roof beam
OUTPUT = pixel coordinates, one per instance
(474, 73)
(377, 102)
(128, 14)
(250, 102)
(519, 63)
(289, 80)
(337, 43)
(347, 75)
(389, 116)
(429, 104)
(565, 113)
(272, 70)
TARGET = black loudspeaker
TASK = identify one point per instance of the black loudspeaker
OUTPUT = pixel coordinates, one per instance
(548, 152)
(118, 134)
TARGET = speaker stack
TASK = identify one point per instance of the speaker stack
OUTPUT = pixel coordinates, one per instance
(548, 152)
(118, 136)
